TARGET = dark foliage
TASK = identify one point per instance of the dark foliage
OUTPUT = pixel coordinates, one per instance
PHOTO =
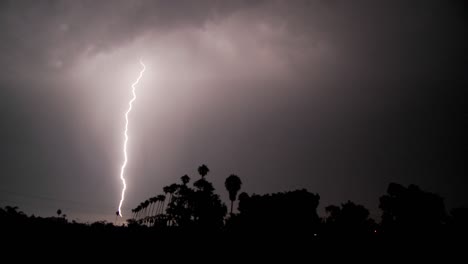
(188, 217)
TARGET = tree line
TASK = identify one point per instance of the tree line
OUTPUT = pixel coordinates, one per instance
(196, 207)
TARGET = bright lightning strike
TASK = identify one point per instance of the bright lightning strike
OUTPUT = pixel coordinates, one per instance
(122, 169)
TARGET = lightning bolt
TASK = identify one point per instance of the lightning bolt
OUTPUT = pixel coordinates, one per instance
(130, 104)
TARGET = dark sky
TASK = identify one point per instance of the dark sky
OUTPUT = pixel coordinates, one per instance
(339, 97)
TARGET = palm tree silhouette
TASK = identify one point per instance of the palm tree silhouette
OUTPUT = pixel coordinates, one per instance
(152, 200)
(185, 179)
(233, 184)
(117, 213)
(137, 210)
(145, 214)
(161, 199)
(203, 170)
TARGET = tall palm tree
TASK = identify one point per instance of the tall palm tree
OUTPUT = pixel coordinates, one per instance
(117, 213)
(142, 213)
(153, 201)
(140, 208)
(145, 206)
(233, 184)
(137, 212)
(161, 198)
(203, 170)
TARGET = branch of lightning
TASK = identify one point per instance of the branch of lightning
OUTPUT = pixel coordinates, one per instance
(124, 164)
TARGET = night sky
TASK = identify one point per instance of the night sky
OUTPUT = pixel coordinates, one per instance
(339, 97)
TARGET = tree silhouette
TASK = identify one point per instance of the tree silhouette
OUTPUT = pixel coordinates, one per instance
(459, 222)
(198, 208)
(411, 211)
(161, 198)
(145, 206)
(153, 201)
(203, 185)
(196, 212)
(281, 213)
(180, 207)
(208, 210)
(117, 214)
(233, 184)
(203, 170)
(185, 179)
(348, 220)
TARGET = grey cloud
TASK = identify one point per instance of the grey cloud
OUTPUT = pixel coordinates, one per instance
(36, 35)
